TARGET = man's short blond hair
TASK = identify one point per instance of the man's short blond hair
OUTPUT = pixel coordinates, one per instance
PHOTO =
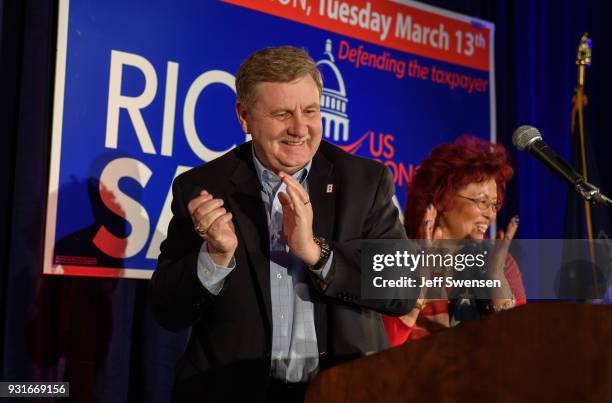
(281, 64)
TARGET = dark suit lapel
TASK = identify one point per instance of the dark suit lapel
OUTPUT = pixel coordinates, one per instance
(247, 208)
(244, 201)
(322, 191)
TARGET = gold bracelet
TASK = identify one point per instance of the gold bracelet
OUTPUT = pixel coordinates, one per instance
(506, 305)
(325, 253)
(419, 305)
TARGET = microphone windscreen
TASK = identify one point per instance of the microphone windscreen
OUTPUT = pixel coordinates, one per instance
(524, 136)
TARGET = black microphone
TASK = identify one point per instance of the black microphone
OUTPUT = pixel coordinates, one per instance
(528, 138)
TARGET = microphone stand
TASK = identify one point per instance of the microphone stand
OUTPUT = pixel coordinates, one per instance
(592, 194)
(589, 192)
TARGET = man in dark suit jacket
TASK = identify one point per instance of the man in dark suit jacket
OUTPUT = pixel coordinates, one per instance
(285, 206)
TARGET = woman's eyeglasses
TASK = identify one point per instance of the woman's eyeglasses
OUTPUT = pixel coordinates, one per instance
(484, 204)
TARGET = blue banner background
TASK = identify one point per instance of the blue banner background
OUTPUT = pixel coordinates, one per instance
(205, 36)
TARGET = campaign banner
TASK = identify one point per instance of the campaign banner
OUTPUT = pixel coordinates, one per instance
(145, 91)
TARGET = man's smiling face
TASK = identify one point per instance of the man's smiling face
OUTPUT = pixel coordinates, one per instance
(285, 123)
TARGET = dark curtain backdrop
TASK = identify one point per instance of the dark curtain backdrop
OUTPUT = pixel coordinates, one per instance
(99, 334)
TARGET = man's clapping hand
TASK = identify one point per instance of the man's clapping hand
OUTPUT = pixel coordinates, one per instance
(214, 224)
(297, 221)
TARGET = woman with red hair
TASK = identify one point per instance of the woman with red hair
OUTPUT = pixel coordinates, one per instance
(455, 194)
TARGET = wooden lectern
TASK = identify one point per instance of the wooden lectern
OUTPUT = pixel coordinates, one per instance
(539, 352)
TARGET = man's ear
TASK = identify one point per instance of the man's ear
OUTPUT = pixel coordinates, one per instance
(241, 112)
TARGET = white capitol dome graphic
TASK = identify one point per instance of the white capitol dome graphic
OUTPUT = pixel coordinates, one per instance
(333, 99)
